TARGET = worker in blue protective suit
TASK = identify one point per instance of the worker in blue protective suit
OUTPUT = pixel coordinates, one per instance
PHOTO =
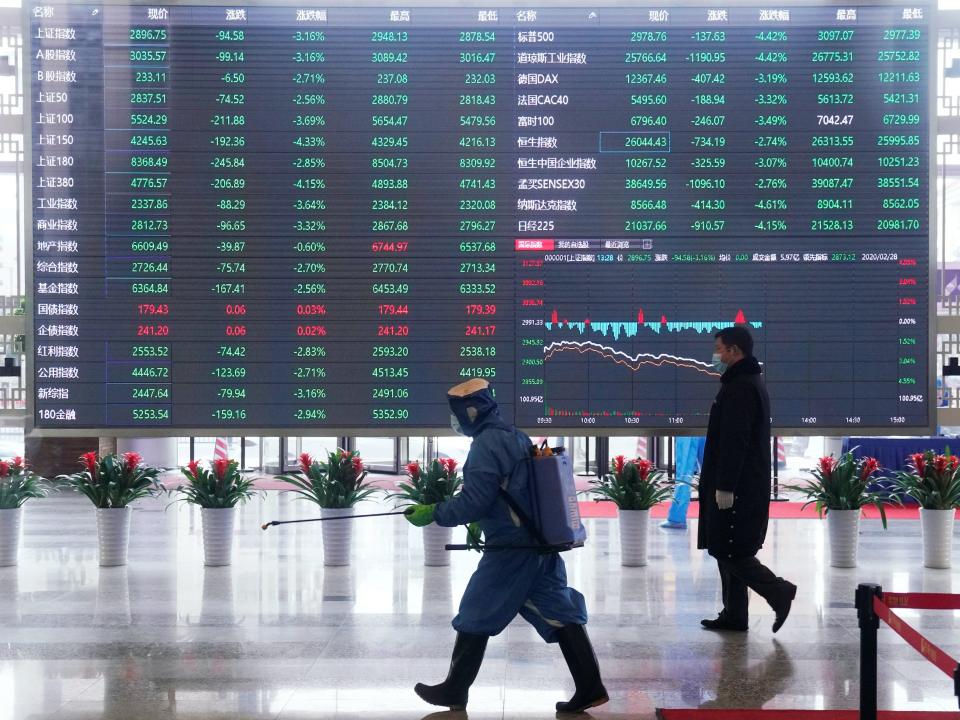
(505, 582)
(689, 459)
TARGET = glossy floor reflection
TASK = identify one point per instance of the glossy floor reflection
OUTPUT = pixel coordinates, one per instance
(279, 636)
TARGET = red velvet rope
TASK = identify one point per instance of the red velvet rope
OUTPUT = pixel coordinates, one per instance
(917, 641)
(922, 601)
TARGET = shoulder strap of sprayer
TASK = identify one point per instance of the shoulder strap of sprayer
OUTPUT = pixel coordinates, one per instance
(521, 514)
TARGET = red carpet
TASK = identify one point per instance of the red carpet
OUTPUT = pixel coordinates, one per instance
(778, 511)
(731, 714)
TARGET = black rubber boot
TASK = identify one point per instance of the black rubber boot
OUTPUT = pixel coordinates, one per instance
(582, 661)
(465, 663)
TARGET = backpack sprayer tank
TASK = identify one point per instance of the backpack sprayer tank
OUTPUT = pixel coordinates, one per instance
(554, 521)
(556, 512)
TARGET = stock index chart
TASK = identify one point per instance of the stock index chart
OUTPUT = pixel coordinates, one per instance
(305, 218)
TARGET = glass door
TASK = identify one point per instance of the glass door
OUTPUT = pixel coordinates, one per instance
(318, 447)
(380, 454)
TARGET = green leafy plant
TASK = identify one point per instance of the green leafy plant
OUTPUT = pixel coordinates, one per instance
(18, 484)
(337, 483)
(632, 484)
(435, 484)
(934, 480)
(110, 482)
(844, 484)
(220, 486)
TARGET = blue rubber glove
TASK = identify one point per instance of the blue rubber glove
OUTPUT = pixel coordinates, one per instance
(419, 515)
(474, 536)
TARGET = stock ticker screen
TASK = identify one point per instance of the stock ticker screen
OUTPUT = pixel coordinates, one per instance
(323, 217)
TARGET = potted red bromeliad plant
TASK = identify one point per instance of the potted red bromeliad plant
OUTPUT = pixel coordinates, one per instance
(336, 486)
(934, 482)
(840, 489)
(634, 486)
(17, 485)
(111, 484)
(436, 483)
(217, 491)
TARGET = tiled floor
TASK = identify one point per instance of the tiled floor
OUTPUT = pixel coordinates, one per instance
(279, 636)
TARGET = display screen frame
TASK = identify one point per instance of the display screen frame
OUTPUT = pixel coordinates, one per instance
(33, 429)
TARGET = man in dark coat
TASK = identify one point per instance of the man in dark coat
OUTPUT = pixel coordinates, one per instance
(735, 485)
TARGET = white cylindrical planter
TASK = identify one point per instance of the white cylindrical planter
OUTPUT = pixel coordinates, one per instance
(435, 538)
(113, 598)
(10, 596)
(217, 605)
(113, 533)
(844, 529)
(217, 535)
(10, 522)
(338, 584)
(633, 537)
(937, 527)
(336, 536)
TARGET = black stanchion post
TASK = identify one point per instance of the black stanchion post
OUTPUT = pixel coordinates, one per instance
(869, 624)
(775, 463)
(956, 682)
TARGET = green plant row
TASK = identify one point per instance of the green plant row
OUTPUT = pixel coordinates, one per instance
(18, 484)
(847, 483)
(850, 483)
(934, 481)
(632, 484)
(337, 482)
(220, 486)
(111, 482)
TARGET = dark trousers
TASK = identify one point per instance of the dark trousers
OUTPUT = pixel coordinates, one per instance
(736, 576)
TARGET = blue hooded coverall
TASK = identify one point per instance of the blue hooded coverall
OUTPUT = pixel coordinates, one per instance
(505, 582)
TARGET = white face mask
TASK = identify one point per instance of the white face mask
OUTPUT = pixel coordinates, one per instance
(455, 424)
(718, 364)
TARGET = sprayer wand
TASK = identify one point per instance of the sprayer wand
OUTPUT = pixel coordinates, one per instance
(321, 519)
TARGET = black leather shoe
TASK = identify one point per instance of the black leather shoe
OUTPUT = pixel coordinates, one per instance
(783, 607)
(721, 623)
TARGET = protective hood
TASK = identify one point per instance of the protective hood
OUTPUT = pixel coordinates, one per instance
(474, 406)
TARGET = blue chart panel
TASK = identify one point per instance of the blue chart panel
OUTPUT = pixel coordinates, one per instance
(319, 218)
(618, 339)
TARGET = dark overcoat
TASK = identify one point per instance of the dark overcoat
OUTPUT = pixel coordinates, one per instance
(736, 458)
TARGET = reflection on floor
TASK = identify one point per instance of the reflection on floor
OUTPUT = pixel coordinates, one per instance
(279, 636)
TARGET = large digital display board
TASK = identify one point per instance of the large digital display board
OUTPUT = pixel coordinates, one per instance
(304, 218)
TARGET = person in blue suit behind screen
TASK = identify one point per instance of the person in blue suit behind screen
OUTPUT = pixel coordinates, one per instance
(507, 582)
(689, 454)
